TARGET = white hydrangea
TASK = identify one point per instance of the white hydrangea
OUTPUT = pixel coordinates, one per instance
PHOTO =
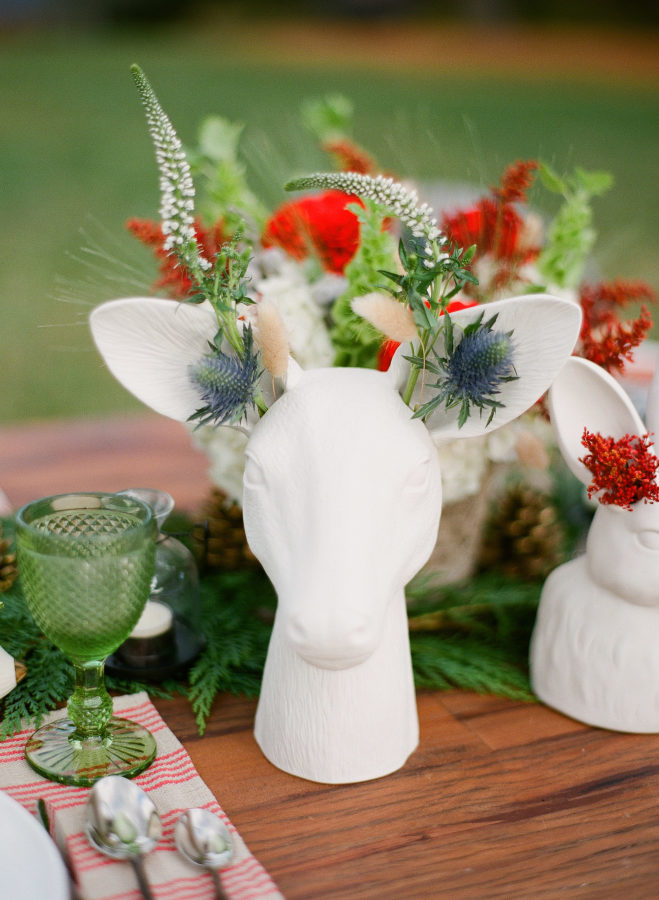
(225, 449)
(287, 285)
(464, 463)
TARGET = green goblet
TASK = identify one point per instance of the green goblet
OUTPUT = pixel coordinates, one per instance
(86, 563)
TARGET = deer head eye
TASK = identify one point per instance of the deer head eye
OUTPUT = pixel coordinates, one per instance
(418, 480)
(254, 476)
(649, 539)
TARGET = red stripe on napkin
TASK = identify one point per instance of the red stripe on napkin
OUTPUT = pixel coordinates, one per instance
(174, 785)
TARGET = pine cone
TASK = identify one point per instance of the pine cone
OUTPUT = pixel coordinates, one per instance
(523, 537)
(221, 539)
(8, 568)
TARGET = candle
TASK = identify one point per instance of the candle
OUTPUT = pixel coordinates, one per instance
(152, 642)
(156, 619)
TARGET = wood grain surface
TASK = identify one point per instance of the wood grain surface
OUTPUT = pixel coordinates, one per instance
(500, 800)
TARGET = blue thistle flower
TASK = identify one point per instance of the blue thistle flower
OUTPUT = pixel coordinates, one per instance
(473, 370)
(227, 384)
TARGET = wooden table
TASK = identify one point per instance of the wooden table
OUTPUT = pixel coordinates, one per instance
(501, 800)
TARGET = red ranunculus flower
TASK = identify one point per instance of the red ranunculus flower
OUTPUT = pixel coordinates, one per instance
(318, 225)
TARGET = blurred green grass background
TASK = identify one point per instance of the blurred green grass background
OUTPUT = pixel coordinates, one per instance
(76, 162)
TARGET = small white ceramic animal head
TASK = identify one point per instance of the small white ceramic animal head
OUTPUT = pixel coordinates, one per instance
(342, 488)
(622, 545)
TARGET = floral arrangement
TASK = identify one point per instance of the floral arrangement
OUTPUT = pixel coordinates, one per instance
(344, 275)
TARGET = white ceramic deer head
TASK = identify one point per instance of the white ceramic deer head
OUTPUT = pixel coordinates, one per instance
(342, 500)
(595, 646)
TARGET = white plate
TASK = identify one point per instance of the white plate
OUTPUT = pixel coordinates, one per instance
(30, 865)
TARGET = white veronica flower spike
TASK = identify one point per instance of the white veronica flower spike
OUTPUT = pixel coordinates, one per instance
(149, 345)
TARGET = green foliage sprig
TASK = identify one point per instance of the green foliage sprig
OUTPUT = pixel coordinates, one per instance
(571, 235)
(428, 282)
(227, 196)
(238, 608)
(329, 117)
(473, 636)
(356, 341)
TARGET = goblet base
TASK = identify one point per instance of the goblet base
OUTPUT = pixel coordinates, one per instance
(57, 752)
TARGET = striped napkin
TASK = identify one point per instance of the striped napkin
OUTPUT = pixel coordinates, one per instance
(174, 786)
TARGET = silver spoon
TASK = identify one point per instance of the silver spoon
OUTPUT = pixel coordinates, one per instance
(123, 823)
(205, 840)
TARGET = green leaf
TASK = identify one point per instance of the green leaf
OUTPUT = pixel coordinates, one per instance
(219, 138)
(464, 413)
(393, 276)
(328, 118)
(418, 361)
(594, 183)
(423, 317)
(426, 408)
(551, 179)
(448, 333)
(476, 324)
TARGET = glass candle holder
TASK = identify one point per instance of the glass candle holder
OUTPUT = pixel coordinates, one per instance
(168, 636)
(86, 562)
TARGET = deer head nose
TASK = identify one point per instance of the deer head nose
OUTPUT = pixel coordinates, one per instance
(339, 640)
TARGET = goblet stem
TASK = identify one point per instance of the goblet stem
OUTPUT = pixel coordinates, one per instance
(89, 706)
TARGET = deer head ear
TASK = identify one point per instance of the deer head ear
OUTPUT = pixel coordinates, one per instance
(544, 331)
(294, 373)
(148, 344)
(584, 395)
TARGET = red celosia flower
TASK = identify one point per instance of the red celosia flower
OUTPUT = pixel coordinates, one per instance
(495, 226)
(625, 469)
(605, 339)
(389, 347)
(516, 181)
(174, 277)
(317, 225)
(349, 157)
